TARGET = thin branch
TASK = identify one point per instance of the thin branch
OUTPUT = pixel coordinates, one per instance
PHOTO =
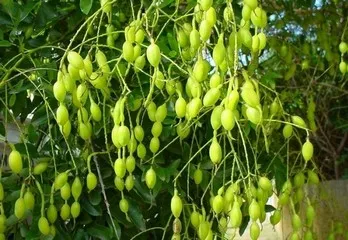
(107, 204)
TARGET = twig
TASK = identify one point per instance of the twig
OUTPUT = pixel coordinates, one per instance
(107, 204)
(338, 151)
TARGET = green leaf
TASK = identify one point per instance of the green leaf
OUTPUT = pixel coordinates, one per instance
(269, 208)
(172, 42)
(165, 3)
(5, 43)
(244, 225)
(85, 6)
(27, 9)
(279, 170)
(142, 191)
(94, 197)
(33, 135)
(92, 210)
(80, 235)
(118, 227)
(99, 231)
(136, 215)
(2, 129)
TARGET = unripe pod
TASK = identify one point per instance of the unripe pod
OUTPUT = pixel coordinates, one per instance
(265, 184)
(65, 191)
(276, 217)
(15, 161)
(259, 17)
(215, 152)
(159, 79)
(246, 12)
(129, 183)
(139, 36)
(255, 43)
(75, 59)
(95, 111)
(195, 39)
(263, 40)
(180, 107)
(287, 131)
(236, 215)
(343, 47)
(205, 30)
(182, 38)
(91, 181)
(128, 51)
(76, 188)
(75, 209)
(313, 177)
(40, 168)
(130, 163)
(203, 230)
(296, 222)
(206, 4)
(215, 119)
(227, 119)
(74, 74)
(139, 133)
(82, 93)
(19, 208)
(150, 178)
(198, 176)
(161, 113)
(218, 204)
(182, 130)
(153, 54)
(154, 144)
(251, 3)
(65, 211)
(254, 230)
(298, 121)
(231, 101)
(59, 91)
(52, 213)
(343, 67)
(219, 52)
(29, 200)
(254, 210)
(60, 180)
(123, 135)
(307, 150)
(253, 115)
(250, 97)
(195, 219)
(141, 151)
(156, 129)
(120, 167)
(193, 108)
(62, 114)
(151, 111)
(215, 81)
(310, 215)
(299, 180)
(44, 226)
(139, 63)
(211, 97)
(176, 205)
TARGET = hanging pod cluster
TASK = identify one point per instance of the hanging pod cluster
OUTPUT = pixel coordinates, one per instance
(130, 98)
